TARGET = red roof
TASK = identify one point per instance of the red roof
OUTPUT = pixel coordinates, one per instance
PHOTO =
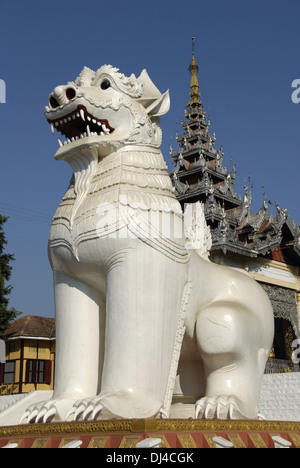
(31, 326)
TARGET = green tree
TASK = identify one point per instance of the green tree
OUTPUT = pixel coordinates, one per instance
(6, 314)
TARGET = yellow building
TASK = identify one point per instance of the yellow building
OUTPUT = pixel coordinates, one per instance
(30, 353)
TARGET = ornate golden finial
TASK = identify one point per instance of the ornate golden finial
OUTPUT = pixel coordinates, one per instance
(193, 69)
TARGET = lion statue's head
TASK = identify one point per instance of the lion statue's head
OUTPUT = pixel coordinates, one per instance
(106, 110)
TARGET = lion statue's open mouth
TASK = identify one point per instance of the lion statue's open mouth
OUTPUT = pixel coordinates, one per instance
(79, 123)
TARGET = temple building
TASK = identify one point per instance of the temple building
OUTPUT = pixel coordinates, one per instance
(264, 244)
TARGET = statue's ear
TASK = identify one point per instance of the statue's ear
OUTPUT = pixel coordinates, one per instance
(155, 103)
(159, 107)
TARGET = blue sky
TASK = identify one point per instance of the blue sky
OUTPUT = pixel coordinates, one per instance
(248, 55)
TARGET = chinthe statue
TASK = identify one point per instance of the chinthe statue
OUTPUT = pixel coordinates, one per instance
(143, 318)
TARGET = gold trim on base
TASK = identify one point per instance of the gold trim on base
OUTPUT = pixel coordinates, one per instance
(128, 426)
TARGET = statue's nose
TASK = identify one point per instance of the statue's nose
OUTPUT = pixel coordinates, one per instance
(61, 95)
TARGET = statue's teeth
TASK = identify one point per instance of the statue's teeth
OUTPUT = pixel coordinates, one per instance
(94, 127)
(105, 129)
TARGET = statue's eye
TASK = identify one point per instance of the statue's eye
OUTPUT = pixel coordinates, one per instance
(105, 84)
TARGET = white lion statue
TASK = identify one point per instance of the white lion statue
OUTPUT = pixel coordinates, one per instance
(143, 318)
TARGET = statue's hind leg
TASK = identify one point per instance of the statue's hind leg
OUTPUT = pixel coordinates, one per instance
(144, 291)
(228, 341)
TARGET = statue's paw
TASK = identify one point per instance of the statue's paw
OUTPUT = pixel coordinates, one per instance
(47, 411)
(89, 409)
(84, 409)
(223, 407)
(116, 405)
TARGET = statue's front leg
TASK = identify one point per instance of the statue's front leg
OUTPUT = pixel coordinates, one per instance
(77, 349)
(144, 292)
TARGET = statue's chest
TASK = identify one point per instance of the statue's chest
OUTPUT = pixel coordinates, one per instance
(77, 223)
(121, 199)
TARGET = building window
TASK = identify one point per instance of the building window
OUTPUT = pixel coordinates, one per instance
(38, 371)
(7, 372)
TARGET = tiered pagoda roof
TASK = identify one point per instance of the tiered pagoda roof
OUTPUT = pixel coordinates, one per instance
(199, 175)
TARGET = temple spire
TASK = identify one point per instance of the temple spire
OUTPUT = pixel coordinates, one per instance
(193, 69)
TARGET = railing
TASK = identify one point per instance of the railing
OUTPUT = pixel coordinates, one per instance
(9, 389)
(280, 366)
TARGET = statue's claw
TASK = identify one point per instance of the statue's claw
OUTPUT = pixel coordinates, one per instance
(85, 409)
(24, 418)
(40, 417)
(79, 412)
(32, 417)
(29, 416)
(49, 415)
(97, 410)
(71, 414)
(88, 412)
(221, 407)
(47, 411)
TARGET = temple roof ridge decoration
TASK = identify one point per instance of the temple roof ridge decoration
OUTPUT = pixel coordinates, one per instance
(199, 174)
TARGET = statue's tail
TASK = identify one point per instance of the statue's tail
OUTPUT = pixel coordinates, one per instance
(177, 347)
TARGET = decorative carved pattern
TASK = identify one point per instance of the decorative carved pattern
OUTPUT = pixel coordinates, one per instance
(284, 302)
